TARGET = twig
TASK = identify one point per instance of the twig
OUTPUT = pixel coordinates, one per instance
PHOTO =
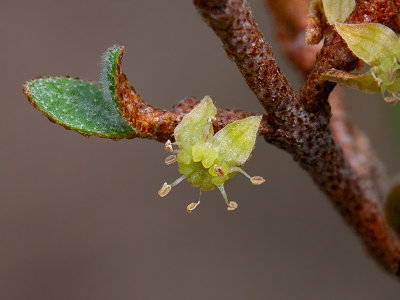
(153, 123)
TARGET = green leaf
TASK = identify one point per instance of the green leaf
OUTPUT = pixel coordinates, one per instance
(109, 66)
(236, 140)
(78, 105)
(371, 42)
(338, 10)
(364, 82)
(194, 127)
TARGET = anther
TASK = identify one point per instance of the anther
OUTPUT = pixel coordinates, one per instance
(170, 160)
(232, 206)
(257, 180)
(168, 146)
(211, 119)
(192, 206)
(218, 170)
(165, 189)
(393, 99)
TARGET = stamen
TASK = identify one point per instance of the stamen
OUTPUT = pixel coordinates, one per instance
(165, 189)
(240, 170)
(177, 181)
(393, 99)
(222, 190)
(170, 160)
(232, 206)
(211, 119)
(217, 169)
(192, 206)
(257, 180)
(168, 146)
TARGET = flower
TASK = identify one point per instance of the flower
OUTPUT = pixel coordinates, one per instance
(378, 46)
(207, 160)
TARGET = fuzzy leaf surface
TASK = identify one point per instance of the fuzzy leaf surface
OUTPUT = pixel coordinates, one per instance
(109, 64)
(78, 105)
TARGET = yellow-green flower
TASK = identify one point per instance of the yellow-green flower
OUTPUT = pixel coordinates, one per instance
(208, 160)
(378, 46)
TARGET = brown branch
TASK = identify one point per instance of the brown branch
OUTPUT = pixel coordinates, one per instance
(244, 44)
(153, 123)
(347, 171)
(336, 55)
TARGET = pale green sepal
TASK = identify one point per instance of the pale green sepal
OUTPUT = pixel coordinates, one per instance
(198, 151)
(371, 42)
(364, 82)
(338, 10)
(235, 141)
(209, 158)
(184, 156)
(219, 180)
(195, 127)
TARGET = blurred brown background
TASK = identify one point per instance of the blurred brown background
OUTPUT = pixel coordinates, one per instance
(80, 218)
